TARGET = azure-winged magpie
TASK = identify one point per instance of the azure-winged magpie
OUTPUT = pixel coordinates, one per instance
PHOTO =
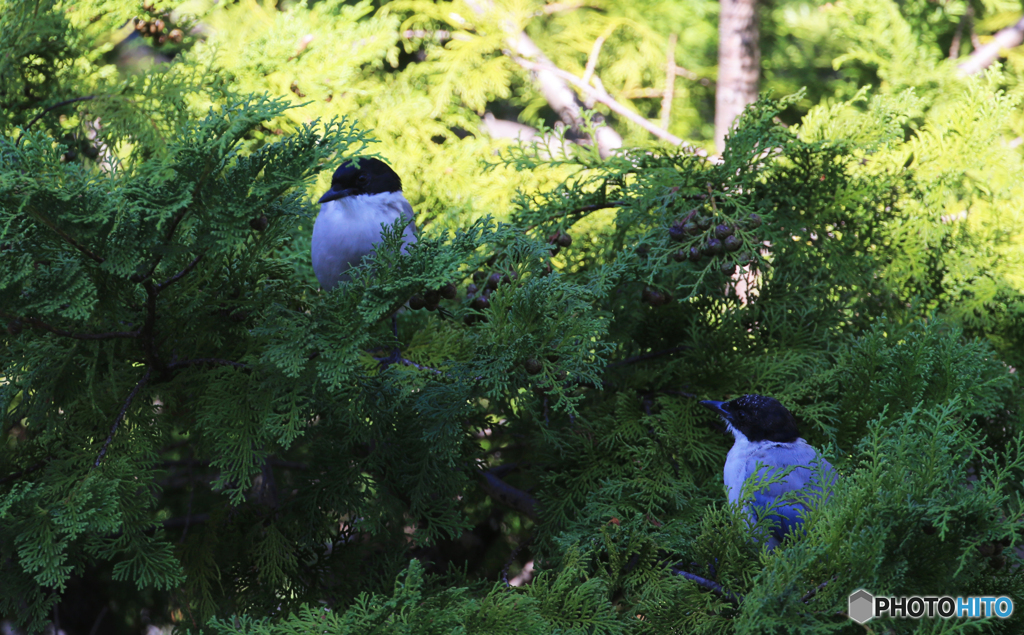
(365, 194)
(766, 432)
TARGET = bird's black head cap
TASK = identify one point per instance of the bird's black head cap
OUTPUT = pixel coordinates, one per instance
(759, 418)
(372, 176)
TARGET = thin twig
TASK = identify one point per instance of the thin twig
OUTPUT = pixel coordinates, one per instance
(175, 221)
(646, 356)
(120, 416)
(670, 81)
(602, 96)
(511, 558)
(20, 473)
(504, 493)
(178, 276)
(954, 48)
(420, 34)
(99, 618)
(810, 594)
(579, 210)
(708, 584)
(65, 236)
(405, 362)
(206, 360)
(595, 52)
(148, 328)
(57, 105)
(36, 322)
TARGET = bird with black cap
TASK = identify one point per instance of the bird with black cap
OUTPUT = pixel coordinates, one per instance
(766, 445)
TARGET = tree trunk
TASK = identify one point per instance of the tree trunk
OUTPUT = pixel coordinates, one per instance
(739, 63)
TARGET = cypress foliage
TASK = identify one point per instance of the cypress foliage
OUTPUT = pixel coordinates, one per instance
(186, 413)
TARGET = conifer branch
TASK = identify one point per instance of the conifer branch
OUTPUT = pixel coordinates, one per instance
(510, 496)
(708, 584)
(120, 416)
(37, 323)
(285, 465)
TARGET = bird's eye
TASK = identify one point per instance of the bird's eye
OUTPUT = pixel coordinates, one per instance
(364, 179)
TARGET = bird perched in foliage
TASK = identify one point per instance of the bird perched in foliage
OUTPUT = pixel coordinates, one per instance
(766, 432)
(365, 194)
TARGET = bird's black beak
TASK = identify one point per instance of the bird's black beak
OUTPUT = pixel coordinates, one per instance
(333, 195)
(716, 407)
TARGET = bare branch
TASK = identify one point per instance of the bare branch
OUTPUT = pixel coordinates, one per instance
(688, 74)
(558, 95)
(708, 584)
(504, 493)
(810, 594)
(175, 221)
(120, 416)
(982, 58)
(643, 93)
(670, 81)
(555, 7)
(588, 72)
(582, 209)
(178, 276)
(954, 48)
(511, 558)
(602, 96)
(420, 34)
(303, 45)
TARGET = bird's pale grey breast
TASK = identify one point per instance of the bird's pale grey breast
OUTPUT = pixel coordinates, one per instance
(362, 199)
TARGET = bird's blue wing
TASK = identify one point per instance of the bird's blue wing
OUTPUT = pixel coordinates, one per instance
(785, 503)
